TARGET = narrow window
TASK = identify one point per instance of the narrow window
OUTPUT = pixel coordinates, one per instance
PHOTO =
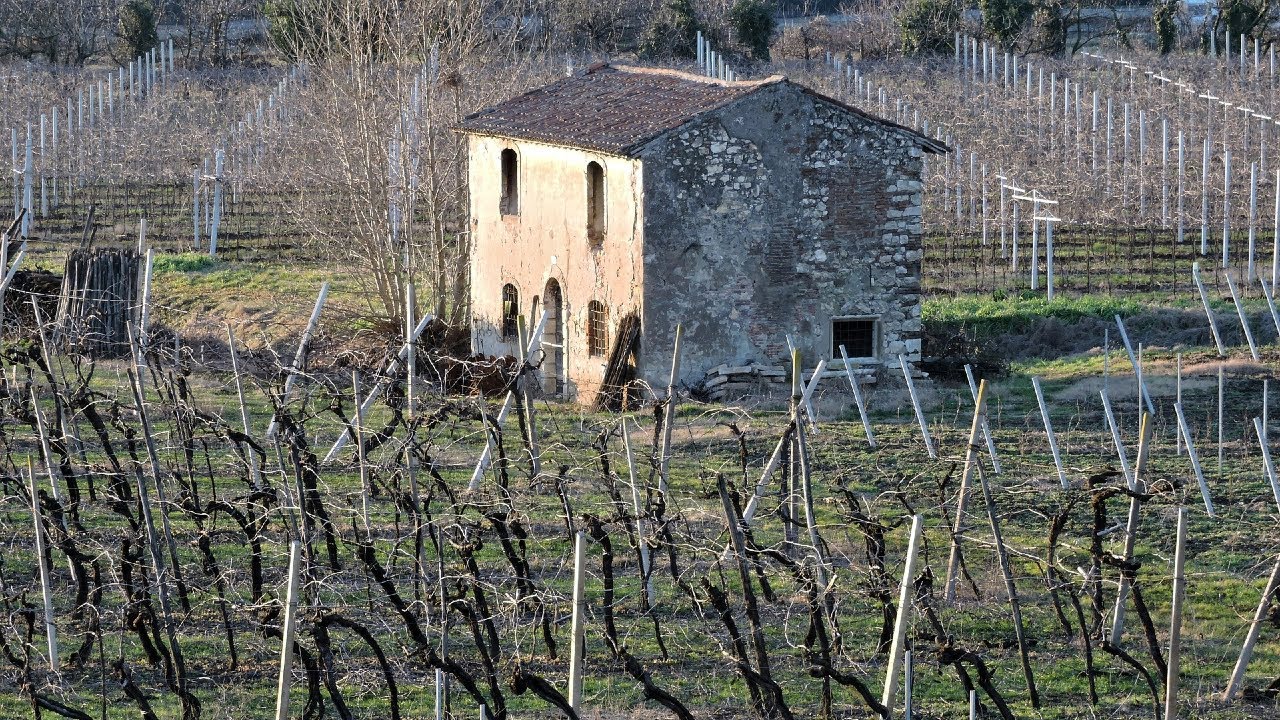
(857, 335)
(510, 204)
(595, 203)
(510, 311)
(597, 328)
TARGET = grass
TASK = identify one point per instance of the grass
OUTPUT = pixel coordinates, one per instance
(1229, 557)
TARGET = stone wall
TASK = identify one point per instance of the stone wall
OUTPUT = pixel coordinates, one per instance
(771, 216)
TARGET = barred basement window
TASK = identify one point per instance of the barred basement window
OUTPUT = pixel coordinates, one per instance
(597, 328)
(510, 204)
(510, 311)
(858, 335)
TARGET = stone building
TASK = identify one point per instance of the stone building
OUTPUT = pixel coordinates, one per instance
(626, 200)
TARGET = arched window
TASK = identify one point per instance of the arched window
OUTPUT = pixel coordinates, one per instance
(595, 203)
(510, 311)
(597, 328)
(510, 203)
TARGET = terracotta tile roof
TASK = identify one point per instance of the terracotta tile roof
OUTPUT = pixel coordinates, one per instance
(611, 109)
(616, 109)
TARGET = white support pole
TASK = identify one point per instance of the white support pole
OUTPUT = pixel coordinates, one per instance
(1204, 200)
(1251, 271)
(1208, 311)
(1195, 458)
(915, 403)
(1259, 428)
(577, 646)
(50, 627)
(986, 426)
(301, 355)
(1131, 525)
(1226, 208)
(1137, 369)
(286, 644)
(906, 593)
(1244, 318)
(219, 160)
(1048, 429)
(857, 397)
(1115, 438)
(669, 413)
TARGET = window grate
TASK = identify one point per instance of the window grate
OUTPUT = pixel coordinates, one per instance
(857, 335)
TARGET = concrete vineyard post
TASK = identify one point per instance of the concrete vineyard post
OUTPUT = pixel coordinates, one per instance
(669, 414)
(1194, 457)
(577, 648)
(915, 403)
(301, 355)
(50, 627)
(1208, 311)
(1244, 318)
(857, 396)
(1048, 429)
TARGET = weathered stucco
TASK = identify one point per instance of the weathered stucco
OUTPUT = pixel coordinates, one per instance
(548, 239)
(772, 216)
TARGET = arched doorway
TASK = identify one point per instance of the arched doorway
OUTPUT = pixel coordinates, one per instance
(553, 340)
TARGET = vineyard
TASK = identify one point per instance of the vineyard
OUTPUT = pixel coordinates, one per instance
(237, 525)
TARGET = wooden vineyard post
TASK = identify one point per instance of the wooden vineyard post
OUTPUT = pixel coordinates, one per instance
(1006, 570)
(905, 601)
(1251, 638)
(971, 460)
(1195, 458)
(986, 426)
(669, 414)
(1131, 526)
(50, 627)
(915, 403)
(1175, 620)
(857, 396)
(287, 632)
(577, 651)
(1208, 311)
(1048, 430)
